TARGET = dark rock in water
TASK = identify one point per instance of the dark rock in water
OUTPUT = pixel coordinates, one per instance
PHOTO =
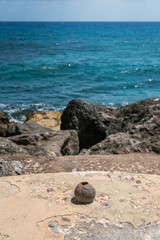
(4, 124)
(93, 123)
(49, 144)
(10, 168)
(26, 128)
(7, 146)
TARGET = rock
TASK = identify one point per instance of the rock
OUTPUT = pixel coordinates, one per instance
(93, 123)
(133, 128)
(48, 119)
(44, 142)
(49, 144)
(10, 168)
(4, 123)
(126, 207)
(142, 117)
(71, 144)
(7, 146)
(26, 128)
(132, 162)
(142, 120)
(117, 144)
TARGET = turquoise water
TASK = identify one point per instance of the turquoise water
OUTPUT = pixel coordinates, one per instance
(45, 65)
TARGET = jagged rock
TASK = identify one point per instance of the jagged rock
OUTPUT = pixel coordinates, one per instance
(142, 117)
(11, 168)
(48, 119)
(117, 144)
(4, 123)
(7, 146)
(93, 123)
(49, 144)
(26, 128)
(44, 142)
(133, 128)
(71, 144)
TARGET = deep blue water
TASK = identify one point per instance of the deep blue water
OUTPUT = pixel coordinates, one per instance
(45, 65)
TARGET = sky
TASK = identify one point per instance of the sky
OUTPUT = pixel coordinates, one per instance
(79, 10)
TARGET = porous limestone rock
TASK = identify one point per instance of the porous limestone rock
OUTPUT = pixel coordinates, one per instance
(49, 119)
(39, 206)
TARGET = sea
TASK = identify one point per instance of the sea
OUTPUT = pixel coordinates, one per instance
(44, 65)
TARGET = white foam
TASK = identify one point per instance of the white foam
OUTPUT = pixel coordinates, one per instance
(156, 99)
(2, 105)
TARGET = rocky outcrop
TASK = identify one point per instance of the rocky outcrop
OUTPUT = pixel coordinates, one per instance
(26, 128)
(4, 123)
(35, 140)
(48, 144)
(119, 143)
(10, 168)
(7, 146)
(89, 129)
(93, 123)
(133, 128)
(39, 207)
(48, 119)
(141, 118)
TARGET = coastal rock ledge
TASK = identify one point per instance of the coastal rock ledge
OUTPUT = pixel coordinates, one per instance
(86, 129)
(133, 128)
(40, 207)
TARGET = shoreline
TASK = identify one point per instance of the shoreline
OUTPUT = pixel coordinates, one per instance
(19, 113)
(81, 130)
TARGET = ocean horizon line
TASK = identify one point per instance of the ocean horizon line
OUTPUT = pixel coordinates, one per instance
(15, 21)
